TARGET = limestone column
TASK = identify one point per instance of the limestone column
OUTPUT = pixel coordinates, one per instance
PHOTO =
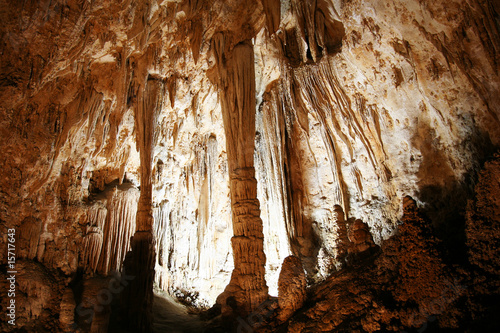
(237, 83)
(139, 264)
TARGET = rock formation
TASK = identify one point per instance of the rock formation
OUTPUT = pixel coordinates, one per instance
(401, 289)
(361, 240)
(237, 80)
(292, 287)
(196, 144)
(146, 99)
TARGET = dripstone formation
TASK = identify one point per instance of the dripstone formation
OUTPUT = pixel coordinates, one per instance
(273, 165)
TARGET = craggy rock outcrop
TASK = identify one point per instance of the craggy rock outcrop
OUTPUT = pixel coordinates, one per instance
(402, 288)
(483, 224)
(483, 235)
(38, 295)
(407, 285)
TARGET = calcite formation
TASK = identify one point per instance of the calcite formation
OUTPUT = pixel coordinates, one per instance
(237, 80)
(111, 223)
(292, 287)
(197, 144)
(360, 238)
(399, 289)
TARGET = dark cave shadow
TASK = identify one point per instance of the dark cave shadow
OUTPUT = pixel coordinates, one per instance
(446, 205)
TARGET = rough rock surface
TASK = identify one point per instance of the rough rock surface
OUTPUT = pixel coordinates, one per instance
(360, 239)
(357, 105)
(400, 289)
(483, 234)
(483, 222)
(291, 287)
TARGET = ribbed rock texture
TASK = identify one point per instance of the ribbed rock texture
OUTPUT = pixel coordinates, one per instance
(225, 136)
(237, 80)
(111, 223)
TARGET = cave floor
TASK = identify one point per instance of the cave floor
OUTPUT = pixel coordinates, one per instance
(172, 317)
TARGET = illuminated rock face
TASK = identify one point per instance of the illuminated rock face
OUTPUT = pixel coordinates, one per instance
(357, 104)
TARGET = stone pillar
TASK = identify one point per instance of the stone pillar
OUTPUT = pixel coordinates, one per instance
(139, 264)
(237, 82)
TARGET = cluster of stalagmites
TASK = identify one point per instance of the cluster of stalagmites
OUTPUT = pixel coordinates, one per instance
(407, 283)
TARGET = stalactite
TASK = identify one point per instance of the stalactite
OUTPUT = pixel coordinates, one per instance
(161, 230)
(272, 169)
(312, 33)
(119, 226)
(148, 106)
(272, 9)
(92, 242)
(342, 243)
(29, 236)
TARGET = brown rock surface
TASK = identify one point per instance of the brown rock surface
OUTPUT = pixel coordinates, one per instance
(401, 289)
(483, 223)
(291, 288)
(361, 240)
(231, 134)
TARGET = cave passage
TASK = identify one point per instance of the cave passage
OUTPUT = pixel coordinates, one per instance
(168, 316)
(173, 317)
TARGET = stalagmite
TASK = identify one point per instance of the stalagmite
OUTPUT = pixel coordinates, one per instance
(292, 287)
(360, 237)
(67, 308)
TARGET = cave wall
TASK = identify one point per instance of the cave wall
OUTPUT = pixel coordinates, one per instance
(402, 103)
(358, 103)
